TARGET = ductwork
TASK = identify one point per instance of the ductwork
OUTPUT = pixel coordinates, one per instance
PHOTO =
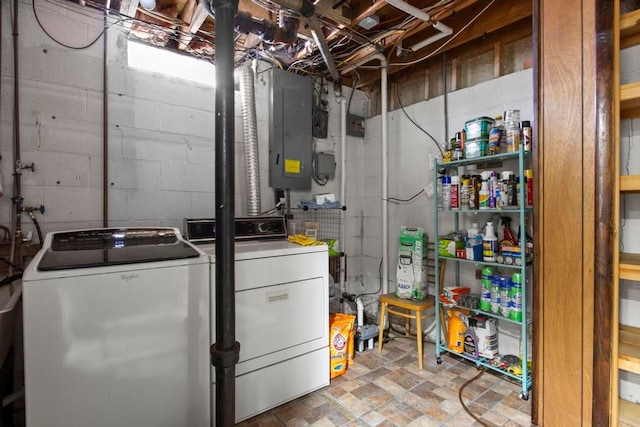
(285, 31)
(250, 130)
(306, 9)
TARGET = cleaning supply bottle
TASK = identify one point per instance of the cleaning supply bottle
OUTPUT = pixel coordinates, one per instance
(455, 192)
(484, 193)
(515, 297)
(485, 292)
(473, 231)
(456, 329)
(489, 244)
(446, 193)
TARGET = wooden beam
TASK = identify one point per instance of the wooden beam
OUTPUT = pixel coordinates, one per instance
(325, 8)
(427, 83)
(197, 18)
(186, 15)
(510, 34)
(375, 7)
(455, 71)
(497, 59)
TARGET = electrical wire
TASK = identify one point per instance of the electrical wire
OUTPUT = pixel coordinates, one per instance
(417, 125)
(398, 201)
(91, 43)
(471, 414)
(452, 38)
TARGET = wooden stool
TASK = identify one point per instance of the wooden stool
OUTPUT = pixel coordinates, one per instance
(389, 303)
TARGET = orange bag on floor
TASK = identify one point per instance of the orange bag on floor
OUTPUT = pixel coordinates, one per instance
(351, 349)
(339, 331)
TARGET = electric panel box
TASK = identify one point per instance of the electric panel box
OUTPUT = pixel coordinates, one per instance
(290, 127)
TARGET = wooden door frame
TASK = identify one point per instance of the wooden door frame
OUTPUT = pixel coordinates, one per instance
(573, 210)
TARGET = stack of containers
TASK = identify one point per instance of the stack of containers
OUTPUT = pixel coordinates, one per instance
(477, 136)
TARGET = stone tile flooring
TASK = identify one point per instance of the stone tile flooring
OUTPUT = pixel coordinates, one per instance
(387, 389)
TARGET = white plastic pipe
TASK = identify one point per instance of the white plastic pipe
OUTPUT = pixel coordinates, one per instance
(385, 165)
(360, 311)
(411, 10)
(444, 32)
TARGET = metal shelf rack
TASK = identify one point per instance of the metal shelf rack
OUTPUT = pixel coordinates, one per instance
(488, 162)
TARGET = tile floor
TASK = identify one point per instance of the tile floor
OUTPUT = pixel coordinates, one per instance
(388, 389)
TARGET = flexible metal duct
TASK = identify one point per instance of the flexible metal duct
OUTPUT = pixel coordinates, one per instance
(250, 131)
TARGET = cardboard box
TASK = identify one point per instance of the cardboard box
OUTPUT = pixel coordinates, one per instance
(411, 273)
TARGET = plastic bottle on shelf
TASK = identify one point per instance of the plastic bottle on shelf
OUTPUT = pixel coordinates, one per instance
(515, 297)
(495, 294)
(493, 190)
(464, 193)
(484, 193)
(473, 231)
(512, 129)
(454, 189)
(446, 193)
(489, 244)
(485, 292)
(495, 136)
(504, 189)
(505, 291)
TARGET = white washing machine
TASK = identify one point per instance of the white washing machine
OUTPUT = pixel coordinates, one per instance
(116, 330)
(282, 312)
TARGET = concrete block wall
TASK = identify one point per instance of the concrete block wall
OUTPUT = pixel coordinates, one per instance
(630, 215)
(410, 154)
(161, 130)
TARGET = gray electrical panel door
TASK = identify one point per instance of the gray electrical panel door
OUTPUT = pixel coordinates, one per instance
(290, 124)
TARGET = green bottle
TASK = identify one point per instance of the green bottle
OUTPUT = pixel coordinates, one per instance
(485, 293)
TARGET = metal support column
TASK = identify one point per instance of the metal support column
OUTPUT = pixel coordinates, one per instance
(226, 350)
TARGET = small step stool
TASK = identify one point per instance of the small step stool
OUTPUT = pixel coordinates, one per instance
(389, 303)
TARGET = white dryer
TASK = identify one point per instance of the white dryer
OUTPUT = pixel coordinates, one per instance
(282, 312)
(116, 330)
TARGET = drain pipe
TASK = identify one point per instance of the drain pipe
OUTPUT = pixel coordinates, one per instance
(385, 165)
(225, 351)
(250, 130)
(16, 166)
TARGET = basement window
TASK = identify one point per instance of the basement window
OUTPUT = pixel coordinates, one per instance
(163, 61)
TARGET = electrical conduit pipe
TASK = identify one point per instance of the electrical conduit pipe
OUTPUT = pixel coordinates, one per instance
(385, 164)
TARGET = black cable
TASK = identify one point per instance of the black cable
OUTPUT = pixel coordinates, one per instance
(471, 414)
(10, 264)
(10, 279)
(398, 201)
(417, 125)
(35, 14)
(38, 230)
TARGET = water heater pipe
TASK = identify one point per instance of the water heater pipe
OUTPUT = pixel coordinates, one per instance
(385, 164)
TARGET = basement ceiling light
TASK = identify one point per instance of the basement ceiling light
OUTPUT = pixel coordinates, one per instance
(369, 22)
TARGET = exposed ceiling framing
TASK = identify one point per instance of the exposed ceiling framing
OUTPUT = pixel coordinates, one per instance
(187, 26)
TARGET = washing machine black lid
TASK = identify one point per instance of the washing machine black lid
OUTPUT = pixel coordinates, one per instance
(103, 247)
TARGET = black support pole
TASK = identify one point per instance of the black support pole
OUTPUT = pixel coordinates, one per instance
(226, 350)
